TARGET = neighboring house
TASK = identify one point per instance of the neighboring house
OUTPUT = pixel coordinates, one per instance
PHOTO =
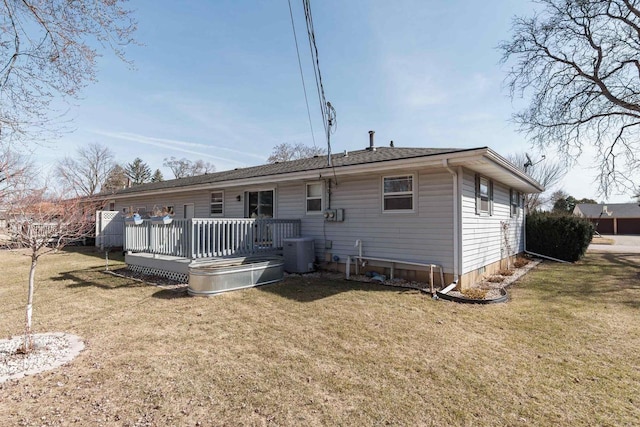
(611, 218)
(461, 209)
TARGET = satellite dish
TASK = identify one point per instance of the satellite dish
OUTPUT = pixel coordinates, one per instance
(528, 162)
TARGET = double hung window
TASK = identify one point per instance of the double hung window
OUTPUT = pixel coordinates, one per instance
(217, 203)
(398, 193)
(314, 197)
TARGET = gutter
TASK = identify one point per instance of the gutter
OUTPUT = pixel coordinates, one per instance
(505, 164)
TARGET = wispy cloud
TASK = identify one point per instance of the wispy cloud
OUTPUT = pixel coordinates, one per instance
(199, 149)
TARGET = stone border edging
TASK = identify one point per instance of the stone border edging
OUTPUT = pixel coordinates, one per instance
(75, 346)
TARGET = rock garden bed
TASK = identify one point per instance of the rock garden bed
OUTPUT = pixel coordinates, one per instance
(492, 289)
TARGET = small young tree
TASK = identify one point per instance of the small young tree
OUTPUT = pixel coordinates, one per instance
(43, 223)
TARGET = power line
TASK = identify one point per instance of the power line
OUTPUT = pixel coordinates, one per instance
(315, 60)
(304, 86)
(328, 112)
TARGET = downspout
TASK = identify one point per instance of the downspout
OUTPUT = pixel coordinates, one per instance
(456, 228)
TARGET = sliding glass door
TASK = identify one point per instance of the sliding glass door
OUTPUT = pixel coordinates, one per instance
(259, 204)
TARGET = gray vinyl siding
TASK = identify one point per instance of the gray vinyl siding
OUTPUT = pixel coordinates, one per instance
(482, 239)
(424, 235)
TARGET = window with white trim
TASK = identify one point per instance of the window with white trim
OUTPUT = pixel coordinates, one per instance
(484, 195)
(397, 193)
(314, 192)
(515, 197)
(217, 203)
(259, 204)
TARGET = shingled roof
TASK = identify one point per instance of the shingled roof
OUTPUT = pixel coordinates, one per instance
(380, 154)
(618, 210)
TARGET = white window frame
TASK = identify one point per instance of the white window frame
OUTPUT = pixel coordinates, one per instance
(259, 190)
(479, 210)
(220, 203)
(307, 198)
(110, 204)
(515, 207)
(411, 193)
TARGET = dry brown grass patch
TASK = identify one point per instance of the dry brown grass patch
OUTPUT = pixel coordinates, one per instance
(474, 293)
(520, 262)
(329, 352)
(505, 272)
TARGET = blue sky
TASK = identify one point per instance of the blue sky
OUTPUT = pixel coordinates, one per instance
(219, 81)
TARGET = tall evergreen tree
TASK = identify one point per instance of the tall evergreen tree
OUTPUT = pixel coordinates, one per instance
(157, 176)
(138, 171)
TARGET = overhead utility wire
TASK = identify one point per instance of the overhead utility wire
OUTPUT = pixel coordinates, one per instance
(328, 112)
(304, 86)
(315, 60)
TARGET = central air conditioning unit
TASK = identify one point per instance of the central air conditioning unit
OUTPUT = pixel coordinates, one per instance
(299, 254)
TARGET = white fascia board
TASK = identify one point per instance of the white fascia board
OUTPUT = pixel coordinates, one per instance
(505, 164)
(455, 158)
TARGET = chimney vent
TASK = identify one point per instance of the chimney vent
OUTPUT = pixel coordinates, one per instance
(371, 145)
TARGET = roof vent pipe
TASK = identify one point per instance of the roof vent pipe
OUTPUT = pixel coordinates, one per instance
(371, 145)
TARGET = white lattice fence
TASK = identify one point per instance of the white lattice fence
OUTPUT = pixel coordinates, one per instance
(109, 229)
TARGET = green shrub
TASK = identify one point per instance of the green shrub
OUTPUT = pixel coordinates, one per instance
(565, 237)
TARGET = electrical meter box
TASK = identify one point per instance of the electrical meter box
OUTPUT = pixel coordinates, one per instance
(299, 254)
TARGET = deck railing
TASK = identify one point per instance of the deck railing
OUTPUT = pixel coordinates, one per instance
(207, 237)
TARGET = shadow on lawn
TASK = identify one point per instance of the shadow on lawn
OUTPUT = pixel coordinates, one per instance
(609, 278)
(171, 293)
(115, 254)
(303, 289)
(98, 278)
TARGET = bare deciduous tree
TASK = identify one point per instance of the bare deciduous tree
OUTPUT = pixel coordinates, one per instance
(14, 169)
(86, 173)
(546, 171)
(43, 223)
(183, 168)
(48, 51)
(580, 62)
(285, 152)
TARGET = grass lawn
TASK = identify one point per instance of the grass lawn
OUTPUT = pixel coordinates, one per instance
(564, 351)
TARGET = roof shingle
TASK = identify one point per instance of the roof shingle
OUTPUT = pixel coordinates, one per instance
(380, 154)
(618, 210)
